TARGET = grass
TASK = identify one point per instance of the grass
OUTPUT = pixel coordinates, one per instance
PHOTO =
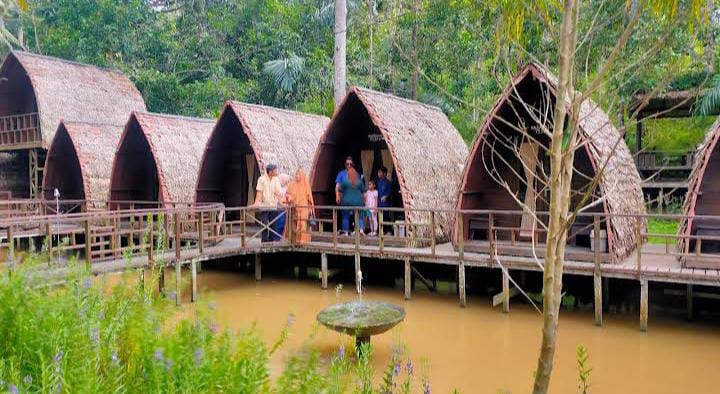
(93, 336)
(662, 226)
(672, 135)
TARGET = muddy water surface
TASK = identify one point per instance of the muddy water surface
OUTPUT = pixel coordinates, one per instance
(478, 349)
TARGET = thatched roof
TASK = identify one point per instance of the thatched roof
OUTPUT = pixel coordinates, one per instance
(94, 145)
(428, 152)
(702, 158)
(620, 182)
(66, 90)
(177, 144)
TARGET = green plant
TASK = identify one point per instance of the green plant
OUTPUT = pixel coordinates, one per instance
(584, 369)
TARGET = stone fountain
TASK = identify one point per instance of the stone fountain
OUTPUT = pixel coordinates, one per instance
(361, 318)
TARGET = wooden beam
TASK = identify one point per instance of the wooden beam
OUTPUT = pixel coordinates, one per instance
(408, 279)
(193, 281)
(178, 283)
(258, 267)
(597, 278)
(323, 271)
(461, 283)
(643, 304)
(506, 291)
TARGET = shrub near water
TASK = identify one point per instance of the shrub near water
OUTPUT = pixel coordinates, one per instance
(92, 337)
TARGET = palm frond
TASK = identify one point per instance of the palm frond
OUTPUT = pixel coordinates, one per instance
(285, 72)
(710, 100)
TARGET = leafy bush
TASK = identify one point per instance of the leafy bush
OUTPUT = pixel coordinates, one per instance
(95, 336)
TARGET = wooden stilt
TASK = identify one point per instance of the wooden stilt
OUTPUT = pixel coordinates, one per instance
(161, 280)
(506, 292)
(408, 279)
(199, 267)
(193, 281)
(643, 304)
(357, 272)
(461, 283)
(597, 278)
(689, 300)
(178, 283)
(258, 267)
(323, 271)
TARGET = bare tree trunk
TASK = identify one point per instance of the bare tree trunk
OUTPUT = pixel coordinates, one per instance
(561, 170)
(710, 38)
(371, 18)
(340, 80)
(414, 51)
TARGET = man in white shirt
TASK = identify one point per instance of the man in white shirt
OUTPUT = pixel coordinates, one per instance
(267, 197)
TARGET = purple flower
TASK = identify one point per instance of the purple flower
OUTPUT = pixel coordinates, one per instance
(159, 355)
(12, 389)
(95, 336)
(214, 328)
(173, 295)
(397, 369)
(341, 352)
(86, 283)
(101, 315)
(58, 356)
(426, 387)
(27, 380)
(197, 356)
(290, 319)
(114, 358)
(58, 387)
(409, 367)
(168, 365)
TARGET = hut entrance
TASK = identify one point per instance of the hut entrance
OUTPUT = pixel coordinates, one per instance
(229, 171)
(63, 170)
(353, 133)
(509, 173)
(134, 176)
(19, 127)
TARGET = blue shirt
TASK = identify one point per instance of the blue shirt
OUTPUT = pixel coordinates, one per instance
(384, 188)
(350, 195)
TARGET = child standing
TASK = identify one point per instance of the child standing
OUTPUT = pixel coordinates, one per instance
(371, 202)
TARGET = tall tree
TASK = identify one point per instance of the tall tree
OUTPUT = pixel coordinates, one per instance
(339, 57)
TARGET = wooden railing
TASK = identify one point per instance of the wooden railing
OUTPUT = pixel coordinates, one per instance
(181, 232)
(20, 131)
(657, 161)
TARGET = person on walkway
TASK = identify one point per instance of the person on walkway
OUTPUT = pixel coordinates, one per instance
(278, 227)
(350, 192)
(267, 198)
(371, 202)
(384, 189)
(300, 197)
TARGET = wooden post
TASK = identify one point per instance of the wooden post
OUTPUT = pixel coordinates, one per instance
(506, 291)
(597, 278)
(88, 243)
(432, 233)
(258, 267)
(491, 238)
(643, 304)
(151, 239)
(161, 280)
(357, 252)
(381, 231)
(323, 271)
(243, 228)
(289, 220)
(689, 301)
(461, 283)
(201, 236)
(193, 281)
(408, 278)
(178, 283)
(460, 237)
(49, 239)
(178, 229)
(116, 236)
(11, 244)
(334, 227)
(638, 234)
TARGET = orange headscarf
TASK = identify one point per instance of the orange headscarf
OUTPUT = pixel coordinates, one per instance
(298, 191)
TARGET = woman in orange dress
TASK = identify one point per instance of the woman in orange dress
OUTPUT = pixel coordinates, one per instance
(298, 195)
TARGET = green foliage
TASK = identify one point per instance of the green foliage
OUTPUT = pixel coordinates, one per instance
(673, 136)
(662, 227)
(582, 357)
(107, 335)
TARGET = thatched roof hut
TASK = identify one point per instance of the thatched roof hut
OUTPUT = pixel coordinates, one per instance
(78, 162)
(38, 91)
(416, 142)
(246, 138)
(158, 158)
(498, 155)
(703, 197)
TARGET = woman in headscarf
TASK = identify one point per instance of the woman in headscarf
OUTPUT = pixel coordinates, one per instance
(299, 196)
(350, 192)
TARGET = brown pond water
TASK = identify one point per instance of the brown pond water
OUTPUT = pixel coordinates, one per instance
(478, 349)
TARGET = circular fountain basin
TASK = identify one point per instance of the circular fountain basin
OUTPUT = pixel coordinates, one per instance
(361, 318)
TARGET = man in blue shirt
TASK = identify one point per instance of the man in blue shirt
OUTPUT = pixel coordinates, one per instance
(384, 189)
